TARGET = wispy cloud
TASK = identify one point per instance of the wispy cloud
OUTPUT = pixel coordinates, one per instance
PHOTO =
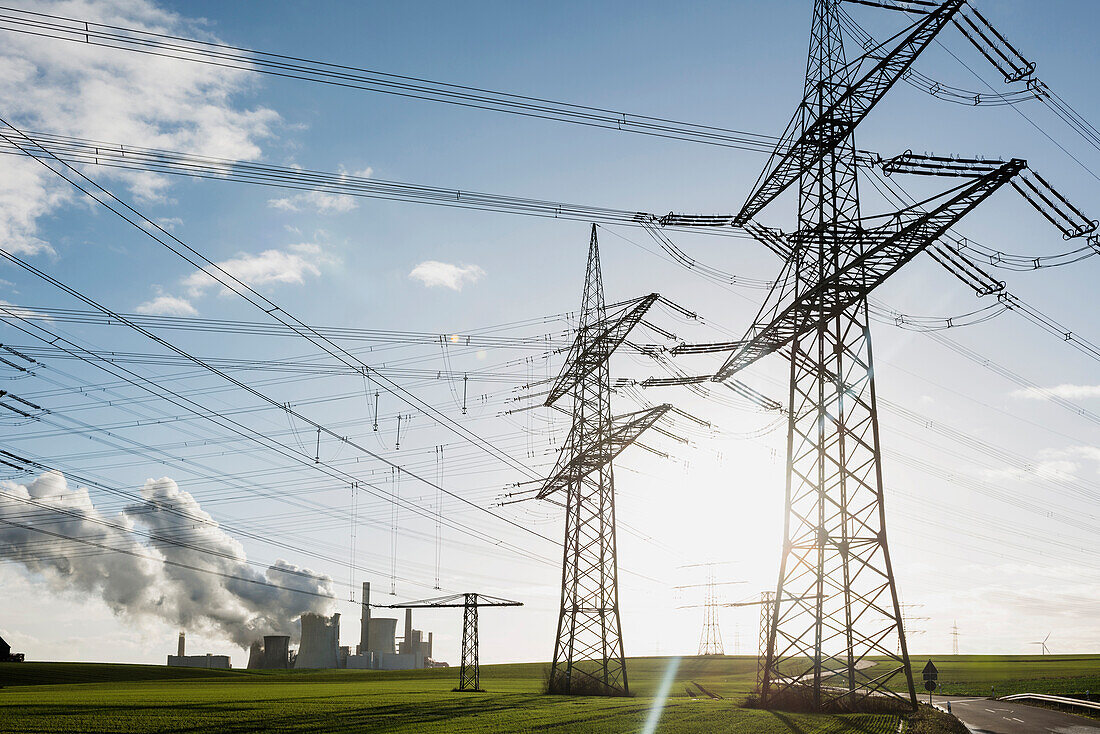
(1054, 465)
(90, 92)
(167, 305)
(10, 309)
(270, 267)
(435, 274)
(322, 202)
(319, 201)
(1068, 391)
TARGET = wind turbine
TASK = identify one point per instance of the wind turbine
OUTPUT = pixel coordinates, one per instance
(1046, 650)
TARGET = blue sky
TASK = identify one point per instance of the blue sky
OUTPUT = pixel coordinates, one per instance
(964, 547)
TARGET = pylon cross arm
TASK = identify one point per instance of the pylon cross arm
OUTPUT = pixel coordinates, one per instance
(625, 430)
(837, 122)
(594, 346)
(895, 245)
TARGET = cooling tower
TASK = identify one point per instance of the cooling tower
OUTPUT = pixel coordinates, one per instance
(320, 642)
(383, 630)
(276, 652)
(256, 656)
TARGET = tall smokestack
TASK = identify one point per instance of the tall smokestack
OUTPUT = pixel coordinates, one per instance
(364, 621)
(408, 629)
(180, 647)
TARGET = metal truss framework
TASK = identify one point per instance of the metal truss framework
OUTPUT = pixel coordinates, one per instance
(710, 640)
(588, 648)
(469, 672)
(767, 601)
(836, 604)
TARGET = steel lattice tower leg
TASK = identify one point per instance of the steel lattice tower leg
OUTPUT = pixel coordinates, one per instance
(710, 641)
(469, 676)
(835, 577)
(588, 651)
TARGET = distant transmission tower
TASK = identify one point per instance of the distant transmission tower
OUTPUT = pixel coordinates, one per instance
(588, 649)
(469, 671)
(767, 601)
(710, 641)
(955, 638)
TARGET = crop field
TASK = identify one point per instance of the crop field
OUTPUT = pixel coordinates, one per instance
(976, 675)
(80, 697)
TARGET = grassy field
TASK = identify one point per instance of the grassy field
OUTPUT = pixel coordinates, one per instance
(78, 697)
(973, 675)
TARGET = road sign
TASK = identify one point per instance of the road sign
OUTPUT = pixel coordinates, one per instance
(930, 672)
(929, 684)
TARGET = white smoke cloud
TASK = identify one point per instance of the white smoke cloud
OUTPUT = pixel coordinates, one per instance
(179, 567)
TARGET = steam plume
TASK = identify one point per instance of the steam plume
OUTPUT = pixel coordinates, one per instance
(227, 596)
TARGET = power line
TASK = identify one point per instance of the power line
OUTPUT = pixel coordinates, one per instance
(291, 67)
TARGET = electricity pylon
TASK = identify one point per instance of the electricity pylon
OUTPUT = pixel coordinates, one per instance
(765, 602)
(469, 672)
(710, 640)
(955, 638)
(588, 648)
(836, 603)
(767, 599)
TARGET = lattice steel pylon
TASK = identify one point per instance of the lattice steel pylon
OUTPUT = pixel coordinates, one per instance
(836, 606)
(767, 599)
(588, 648)
(469, 671)
(710, 639)
(836, 576)
(469, 674)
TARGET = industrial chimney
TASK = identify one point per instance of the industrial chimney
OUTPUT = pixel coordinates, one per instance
(364, 622)
(180, 647)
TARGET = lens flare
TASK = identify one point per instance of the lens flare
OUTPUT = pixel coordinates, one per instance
(662, 696)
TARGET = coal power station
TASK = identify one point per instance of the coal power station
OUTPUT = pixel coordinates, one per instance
(379, 648)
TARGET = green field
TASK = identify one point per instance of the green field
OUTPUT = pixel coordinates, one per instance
(1054, 674)
(79, 697)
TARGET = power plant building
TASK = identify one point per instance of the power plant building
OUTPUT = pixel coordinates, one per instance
(182, 660)
(378, 647)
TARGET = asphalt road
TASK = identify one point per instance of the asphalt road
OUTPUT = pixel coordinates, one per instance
(986, 716)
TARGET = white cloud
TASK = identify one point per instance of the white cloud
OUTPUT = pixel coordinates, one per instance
(1069, 392)
(1089, 453)
(102, 94)
(321, 202)
(1050, 468)
(292, 265)
(20, 312)
(167, 305)
(433, 273)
